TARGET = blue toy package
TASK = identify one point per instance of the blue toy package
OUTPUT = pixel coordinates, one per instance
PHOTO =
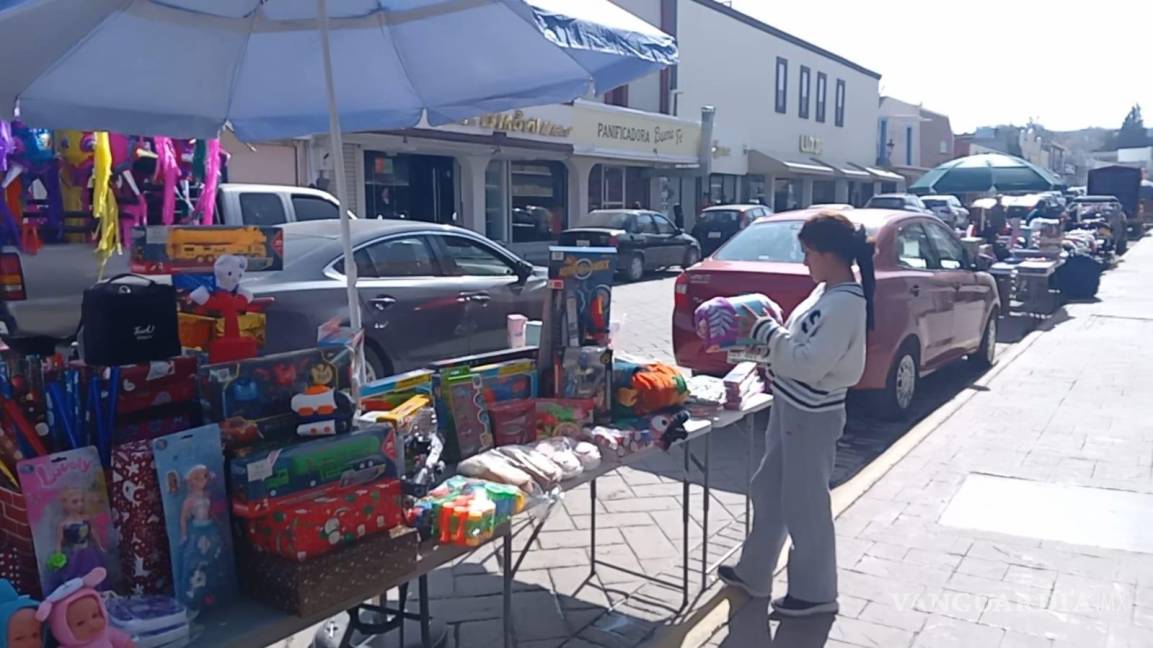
(141, 615)
(190, 469)
(582, 282)
(586, 373)
(511, 380)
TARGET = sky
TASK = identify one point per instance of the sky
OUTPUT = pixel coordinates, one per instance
(1068, 65)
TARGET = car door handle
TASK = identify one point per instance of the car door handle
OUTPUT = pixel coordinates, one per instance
(916, 290)
(481, 298)
(381, 302)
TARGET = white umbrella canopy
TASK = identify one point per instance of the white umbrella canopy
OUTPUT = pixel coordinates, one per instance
(284, 68)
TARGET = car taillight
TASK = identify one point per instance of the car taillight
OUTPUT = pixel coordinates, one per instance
(614, 241)
(11, 276)
(681, 287)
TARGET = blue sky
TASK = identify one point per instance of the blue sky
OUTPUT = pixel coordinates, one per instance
(1069, 65)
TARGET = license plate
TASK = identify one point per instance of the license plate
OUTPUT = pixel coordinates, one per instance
(714, 235)
(583, 243)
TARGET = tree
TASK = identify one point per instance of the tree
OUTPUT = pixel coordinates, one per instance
(1132, 133)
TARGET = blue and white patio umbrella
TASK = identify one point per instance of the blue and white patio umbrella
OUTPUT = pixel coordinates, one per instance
(284, 68)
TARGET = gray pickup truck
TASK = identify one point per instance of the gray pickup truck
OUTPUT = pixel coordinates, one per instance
(55, 277)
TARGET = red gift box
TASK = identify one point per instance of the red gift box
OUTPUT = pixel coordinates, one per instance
(310, 529)
(18, 561)
(139, 514)
(168, 382)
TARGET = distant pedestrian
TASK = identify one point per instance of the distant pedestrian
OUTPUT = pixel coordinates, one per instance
(995, 220)
(813, 359)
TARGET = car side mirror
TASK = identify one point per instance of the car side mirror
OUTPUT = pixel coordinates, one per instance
(524, 270)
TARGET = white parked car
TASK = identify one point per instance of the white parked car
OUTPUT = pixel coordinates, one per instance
(949, 209)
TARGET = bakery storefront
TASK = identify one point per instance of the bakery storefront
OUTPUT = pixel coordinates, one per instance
(521, 177)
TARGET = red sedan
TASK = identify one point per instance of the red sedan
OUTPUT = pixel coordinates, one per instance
(933, 304)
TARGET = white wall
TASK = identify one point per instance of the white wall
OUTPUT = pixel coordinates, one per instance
(263, 163)
(902, 116)
(731, 65)
(645, 93)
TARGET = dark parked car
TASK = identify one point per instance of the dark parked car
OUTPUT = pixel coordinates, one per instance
(718, 224)
(427, 292)
(645, 240)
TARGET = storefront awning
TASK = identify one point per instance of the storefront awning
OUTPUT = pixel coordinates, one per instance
(845, 169)
(882, 174)
(762, 163)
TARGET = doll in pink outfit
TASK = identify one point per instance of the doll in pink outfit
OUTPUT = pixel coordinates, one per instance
(75, 613)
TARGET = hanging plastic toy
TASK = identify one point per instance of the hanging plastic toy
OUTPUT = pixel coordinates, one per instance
(9, 226)
(206, 203)
(104, 207)
(168, 173)
(38, 162)
(75, 150)
(133, 206)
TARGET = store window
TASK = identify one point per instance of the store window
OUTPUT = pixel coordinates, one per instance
(822, 95)
(722, 189)
(618, 187)
(824, 192)
(755, 189)
(803, 108)
(262, 209)
(839, 115)
(313, 208)
(786, 194)
(414, 187)
(539, 193)
(495, 211)
(782, 85)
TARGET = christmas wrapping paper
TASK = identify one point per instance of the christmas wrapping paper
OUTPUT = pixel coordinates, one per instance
(314, 528)
(17, 556)
(139, 513)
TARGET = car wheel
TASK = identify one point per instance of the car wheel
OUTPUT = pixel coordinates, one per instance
(901, 385)
(692, 256)
(986, 355)
(636, 268)
(375, 365)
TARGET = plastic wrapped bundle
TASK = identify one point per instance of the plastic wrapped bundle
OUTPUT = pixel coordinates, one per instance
(720, 324)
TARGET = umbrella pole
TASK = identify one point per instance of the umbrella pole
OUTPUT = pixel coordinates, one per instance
(336, 146)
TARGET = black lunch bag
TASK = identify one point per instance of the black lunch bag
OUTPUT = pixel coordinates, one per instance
(126, 322)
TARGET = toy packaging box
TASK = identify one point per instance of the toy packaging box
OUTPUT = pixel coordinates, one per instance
(586, 373)
(387, 393)
(509, 380)
(139, 513)
(17, 555)
(471, 431)
(165, 250)
(279, 397)
(320, 525)
(562, 417)
(71, 521)
(190, 470)
(156, 399)
(582, 281)
(265, 479)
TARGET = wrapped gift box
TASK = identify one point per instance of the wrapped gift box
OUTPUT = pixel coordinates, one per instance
(332, 582)
(139, 515)
(17, 556)
(318, 526)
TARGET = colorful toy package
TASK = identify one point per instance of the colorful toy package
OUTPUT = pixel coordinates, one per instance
(582, 278)
(70, 517)
(471, 431)
(586, 373)
(279, 397)
(562, 417)
(387, 393)
(720, 324)
(315, 527)
(261, 480)
(509, 380)
(646, 388)
(464, 511)
(165, 249)
(190, 468)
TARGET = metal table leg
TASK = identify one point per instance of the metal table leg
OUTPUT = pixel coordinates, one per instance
(707, 470)
(593, 528)
(425, 630)
(507, 594)
(685, 526)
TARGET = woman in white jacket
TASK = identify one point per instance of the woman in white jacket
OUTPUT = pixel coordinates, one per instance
(813, 359)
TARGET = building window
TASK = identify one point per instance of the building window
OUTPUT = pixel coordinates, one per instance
(944, 147)
(803, 108)
(882, 143)
(822, 93)
(839, 115)
(908, 146)
(782, 85)
(618, 96)
(618, 187)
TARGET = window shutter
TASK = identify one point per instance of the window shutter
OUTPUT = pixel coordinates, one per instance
(354, 177)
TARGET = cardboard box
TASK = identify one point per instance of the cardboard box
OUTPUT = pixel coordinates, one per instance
(335, 580)
(168, 249)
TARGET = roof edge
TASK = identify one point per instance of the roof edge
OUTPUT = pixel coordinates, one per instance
(786, 36)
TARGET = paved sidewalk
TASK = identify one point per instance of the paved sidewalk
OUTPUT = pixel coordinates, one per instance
(1071, 410)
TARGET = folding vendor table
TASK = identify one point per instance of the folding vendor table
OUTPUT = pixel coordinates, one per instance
(248, 624)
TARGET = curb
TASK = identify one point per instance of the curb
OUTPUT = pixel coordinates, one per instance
(714, 613)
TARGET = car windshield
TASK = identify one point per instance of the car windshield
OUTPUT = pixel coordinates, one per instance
(935, 202)
(721, 217)
(887, 202)
(613, 219)
(772, 241)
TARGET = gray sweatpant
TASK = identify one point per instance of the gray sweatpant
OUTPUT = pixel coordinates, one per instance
(790, 494)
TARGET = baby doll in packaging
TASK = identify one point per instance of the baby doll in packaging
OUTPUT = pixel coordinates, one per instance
(76, 615)
(19, 627)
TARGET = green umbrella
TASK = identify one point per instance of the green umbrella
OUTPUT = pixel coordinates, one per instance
(986, 172)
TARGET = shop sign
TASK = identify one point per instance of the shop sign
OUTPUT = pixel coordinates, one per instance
(618, 131)
(811, 145)
(721, 151)
(518, 122)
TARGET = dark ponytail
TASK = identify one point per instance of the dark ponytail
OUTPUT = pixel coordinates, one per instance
(830, 231)
(865, 251)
